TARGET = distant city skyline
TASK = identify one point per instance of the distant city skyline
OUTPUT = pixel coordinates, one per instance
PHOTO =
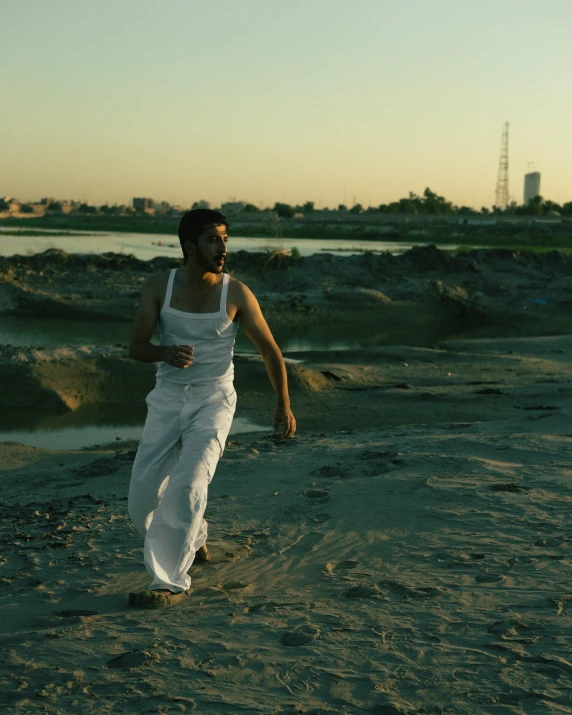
(267, 101)
(531, 189)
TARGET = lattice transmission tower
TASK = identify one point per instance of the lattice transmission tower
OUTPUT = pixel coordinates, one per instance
(501, 195)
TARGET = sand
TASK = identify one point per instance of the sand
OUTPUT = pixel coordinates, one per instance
(464, 380)
(407, 552)
(389, 569)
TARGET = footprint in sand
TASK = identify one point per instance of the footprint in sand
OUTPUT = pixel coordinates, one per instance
(363, 592)
(519, 560)
(489, 578)
(133, 659)
(555, 541)
(330, 471)
(342, 567)
(511, 488)
(302, 635)
(383, 462)
(409, 592)
(510, 627)
(317, 495)
(373, 454)
(233, 585)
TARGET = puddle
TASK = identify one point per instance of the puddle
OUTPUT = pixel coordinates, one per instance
(92, 435)
(45, 332)
(19, 330)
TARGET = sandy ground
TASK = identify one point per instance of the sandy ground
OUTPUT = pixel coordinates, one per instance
(463, 380)
(407, 552)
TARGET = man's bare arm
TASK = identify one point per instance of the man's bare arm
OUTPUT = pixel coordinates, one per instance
(256, 328)
(141, 348)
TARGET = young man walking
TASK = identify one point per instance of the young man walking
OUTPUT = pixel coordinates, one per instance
(189, 412)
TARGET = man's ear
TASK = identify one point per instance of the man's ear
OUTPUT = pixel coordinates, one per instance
(188, 248)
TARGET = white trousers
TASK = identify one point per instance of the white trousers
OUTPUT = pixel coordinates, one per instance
(183, 439)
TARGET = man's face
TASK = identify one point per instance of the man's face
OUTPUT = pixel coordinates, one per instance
(210, 251)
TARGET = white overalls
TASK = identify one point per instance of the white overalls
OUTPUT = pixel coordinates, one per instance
(189, 414)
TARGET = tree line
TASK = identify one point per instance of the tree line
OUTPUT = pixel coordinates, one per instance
(428, 204)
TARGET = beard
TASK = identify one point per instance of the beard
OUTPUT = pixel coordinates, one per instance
(211, 265)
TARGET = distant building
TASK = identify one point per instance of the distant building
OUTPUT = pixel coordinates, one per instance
(202, 204)
(531, 186)
(143, 204)
(164, 207)
(232, 207)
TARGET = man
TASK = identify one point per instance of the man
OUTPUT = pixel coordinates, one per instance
(190, 410)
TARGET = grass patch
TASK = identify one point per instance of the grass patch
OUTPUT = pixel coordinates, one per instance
(40, 233)
(516, 247)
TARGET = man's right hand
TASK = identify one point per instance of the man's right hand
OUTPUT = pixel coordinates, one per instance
(179, 355)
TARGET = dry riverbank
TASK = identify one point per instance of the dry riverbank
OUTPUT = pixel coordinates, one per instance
(408, 552)
(520, 292)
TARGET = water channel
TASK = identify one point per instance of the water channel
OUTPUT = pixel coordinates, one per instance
(101, 424)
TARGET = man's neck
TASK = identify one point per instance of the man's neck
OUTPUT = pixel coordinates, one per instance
(198, 279)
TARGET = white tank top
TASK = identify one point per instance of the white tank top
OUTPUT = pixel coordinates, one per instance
(211, 334)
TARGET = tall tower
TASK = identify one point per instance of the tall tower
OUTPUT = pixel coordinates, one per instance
(501, 195)
(531, 186)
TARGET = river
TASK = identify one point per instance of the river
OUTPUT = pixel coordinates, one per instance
(146, 246)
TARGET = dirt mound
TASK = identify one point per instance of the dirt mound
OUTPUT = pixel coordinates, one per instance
(424, 258)
(57, 381)
(357, 297)
(63, 380)
(311, 291)
(457, 302)
(250, 374)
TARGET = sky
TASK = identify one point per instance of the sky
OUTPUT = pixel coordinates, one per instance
(331, 101)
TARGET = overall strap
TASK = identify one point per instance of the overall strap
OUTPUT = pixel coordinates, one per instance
(224, 293)
(167, 302)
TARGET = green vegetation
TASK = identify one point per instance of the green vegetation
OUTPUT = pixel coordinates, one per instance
(431, 204)
(40, 233)
(283, 210)
(425, 219)
(517, 248)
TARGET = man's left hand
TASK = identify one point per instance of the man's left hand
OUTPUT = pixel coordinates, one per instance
(285, 415)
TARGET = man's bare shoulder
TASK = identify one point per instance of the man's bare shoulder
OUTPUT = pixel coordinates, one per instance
(155, 287)
(238, 291)
(238, 288)
(156, 281)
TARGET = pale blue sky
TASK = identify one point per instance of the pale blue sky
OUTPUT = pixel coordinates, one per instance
(283, 100)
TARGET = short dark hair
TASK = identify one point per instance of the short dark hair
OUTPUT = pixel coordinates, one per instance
(193, 224)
